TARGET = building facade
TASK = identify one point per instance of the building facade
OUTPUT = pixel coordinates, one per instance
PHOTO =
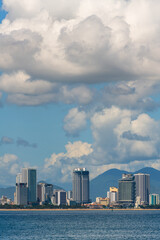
(62, 197)
(44, 192)
(153, 199)
(126, 193)
(80, 185)
(29, 176)
(112, 194)
(142, 187)
(21, 194)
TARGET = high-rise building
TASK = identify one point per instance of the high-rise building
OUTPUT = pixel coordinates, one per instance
(126, 192)
(39, 192)
(29, 176)
(44, 192)
(80, 185)
(61, 198)
(19, 178)
(21, 194)
(153, 199)
(142, 187)
(69, 195)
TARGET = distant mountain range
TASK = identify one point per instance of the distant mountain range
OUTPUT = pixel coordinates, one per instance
(101, 184)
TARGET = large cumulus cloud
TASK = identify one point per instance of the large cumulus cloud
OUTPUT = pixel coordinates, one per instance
(87, 41)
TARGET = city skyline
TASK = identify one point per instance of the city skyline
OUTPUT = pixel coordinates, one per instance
(79, 85)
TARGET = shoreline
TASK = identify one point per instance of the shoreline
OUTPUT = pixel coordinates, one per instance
(78, 209)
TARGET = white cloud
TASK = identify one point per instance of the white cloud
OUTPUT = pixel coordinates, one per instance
(8, 158)
(59, 167)
(20, 82)
(88, 41)
(9, 166)
(74, 121)
(80, 94)
(23, 90)
(121, 136)
(78, 149)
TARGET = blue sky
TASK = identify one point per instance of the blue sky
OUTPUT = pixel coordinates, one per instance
(79, 87)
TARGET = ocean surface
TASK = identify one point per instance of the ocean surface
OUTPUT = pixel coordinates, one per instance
(80, 225)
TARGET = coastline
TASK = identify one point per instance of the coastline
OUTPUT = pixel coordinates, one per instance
(78, 209)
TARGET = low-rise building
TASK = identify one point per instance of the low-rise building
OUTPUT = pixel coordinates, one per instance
(153, 199)
(4, 200)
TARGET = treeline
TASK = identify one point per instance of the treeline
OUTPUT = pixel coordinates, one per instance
(45, 206)
(150, 206)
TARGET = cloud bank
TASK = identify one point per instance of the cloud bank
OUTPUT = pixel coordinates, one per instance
(81, 41)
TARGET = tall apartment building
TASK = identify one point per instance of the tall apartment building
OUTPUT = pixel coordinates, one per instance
(29, 176)
(59, 197)
(62, 197)
(44, 192)
(142, 187)
(21, 194)
(80, 185)
(126, 193)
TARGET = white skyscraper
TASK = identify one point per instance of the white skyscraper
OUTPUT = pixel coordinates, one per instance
(142, 187)
(19, 178)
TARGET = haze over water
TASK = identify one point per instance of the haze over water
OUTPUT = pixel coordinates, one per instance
(85, 225)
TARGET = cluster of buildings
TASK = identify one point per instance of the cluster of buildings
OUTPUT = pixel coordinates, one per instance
(132, 191)
(4, 200)
(28, 192)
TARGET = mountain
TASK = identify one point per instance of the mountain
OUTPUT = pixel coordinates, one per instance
(8, 191)
(154, 178)
(100, 185)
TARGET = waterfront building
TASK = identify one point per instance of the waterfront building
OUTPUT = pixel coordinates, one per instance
(71, 202)
(39, 192)
(104, 201)
(69, 195)
(21, 194)
(4, 200)
(153, 199)
(126, 193)
(112, 195)
(113, 189)
(44, 192)
(29, 176)
(53, 199)
(98, 200)
(61, 197)
(138, 201)
(143, 187)
(80, 185)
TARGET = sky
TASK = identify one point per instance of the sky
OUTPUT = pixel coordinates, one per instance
(79, 87)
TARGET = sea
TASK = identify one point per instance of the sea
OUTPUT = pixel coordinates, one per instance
(94, 225)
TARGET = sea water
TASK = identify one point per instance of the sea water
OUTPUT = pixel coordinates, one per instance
(49, 225)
